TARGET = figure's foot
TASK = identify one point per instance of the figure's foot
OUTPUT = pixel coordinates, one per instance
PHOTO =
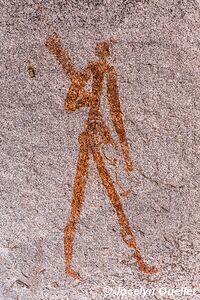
(69, 271)
(149, 270)
(141, 264)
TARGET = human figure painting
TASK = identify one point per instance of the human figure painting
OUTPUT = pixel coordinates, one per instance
(95, 134)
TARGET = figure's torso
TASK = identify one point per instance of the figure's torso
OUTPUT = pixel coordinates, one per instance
(95, 124)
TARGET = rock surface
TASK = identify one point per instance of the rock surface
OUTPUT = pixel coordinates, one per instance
(156, 53)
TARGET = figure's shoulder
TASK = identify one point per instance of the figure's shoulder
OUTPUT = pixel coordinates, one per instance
(91, 65)
(105, 67)
(111, 70)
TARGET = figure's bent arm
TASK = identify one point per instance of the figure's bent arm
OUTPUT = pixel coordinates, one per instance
(116, 114)
(77, 96)
(55, 47)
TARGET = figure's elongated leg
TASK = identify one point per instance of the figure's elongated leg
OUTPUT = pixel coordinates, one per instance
(126, 232)
(77, 202)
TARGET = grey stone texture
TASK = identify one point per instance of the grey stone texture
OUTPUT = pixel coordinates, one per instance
(157, 58)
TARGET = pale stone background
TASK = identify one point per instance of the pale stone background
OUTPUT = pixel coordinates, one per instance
(157, 58)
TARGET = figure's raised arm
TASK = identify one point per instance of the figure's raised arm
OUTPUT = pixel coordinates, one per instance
(55, 47)
(116, 114)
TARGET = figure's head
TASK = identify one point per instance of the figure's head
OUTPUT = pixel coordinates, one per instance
(102, 49)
